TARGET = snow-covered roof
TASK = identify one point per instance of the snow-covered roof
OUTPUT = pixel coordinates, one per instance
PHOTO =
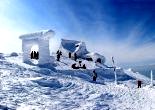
(44, 34)
(69, 45)
(92, 54)
(73, 46)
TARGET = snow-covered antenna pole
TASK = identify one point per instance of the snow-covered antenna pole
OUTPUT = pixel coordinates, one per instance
(114, 66)
(151, 74)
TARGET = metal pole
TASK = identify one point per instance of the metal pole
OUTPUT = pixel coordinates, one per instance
(115, 75)
(114, 70)
(151, 78)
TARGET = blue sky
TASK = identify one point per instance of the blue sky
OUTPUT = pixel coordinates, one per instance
(120, 28)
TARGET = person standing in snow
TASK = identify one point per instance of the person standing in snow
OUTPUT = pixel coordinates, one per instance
(32, 55)
(94, 75)
(58, 57)
(75, 56)
(59, 53)
(70, 54)
(139, 83)
(37, 55)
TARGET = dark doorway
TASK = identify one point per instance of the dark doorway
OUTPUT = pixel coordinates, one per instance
(98, 60)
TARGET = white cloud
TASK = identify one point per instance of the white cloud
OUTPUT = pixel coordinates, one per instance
(124, 52)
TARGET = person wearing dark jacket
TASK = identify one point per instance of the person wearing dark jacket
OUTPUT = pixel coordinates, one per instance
(70, 54)
(80, 64)
(37, 55)
(74, 66)
(94, 75)
(32, 55)
(59, 53)
(58, 57)
(75, 56)
(139, 83)
(84, 66)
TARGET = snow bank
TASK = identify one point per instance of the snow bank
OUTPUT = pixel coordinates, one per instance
(14, 54)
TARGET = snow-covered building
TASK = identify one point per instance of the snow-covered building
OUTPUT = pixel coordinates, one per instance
(73, 46)
(80, 49)
(41, 39)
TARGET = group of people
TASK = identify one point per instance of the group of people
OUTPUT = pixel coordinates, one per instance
(78, 66)
(35, 55)
(70, 55)
(59, 53)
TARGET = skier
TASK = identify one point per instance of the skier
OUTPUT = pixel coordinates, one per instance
(70, 54)
(94, 75)
(139, 83)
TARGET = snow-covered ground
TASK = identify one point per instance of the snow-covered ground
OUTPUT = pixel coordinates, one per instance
(26, 87)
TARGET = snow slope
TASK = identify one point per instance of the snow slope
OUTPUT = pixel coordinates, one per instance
(26, 87)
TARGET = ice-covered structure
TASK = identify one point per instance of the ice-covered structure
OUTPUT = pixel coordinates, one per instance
(73, 46)
(41, 39)
(80, 49)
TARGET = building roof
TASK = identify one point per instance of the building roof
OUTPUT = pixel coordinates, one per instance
(44, 34)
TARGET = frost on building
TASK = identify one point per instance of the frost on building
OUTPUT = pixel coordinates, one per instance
(73, 46)
(38, 41)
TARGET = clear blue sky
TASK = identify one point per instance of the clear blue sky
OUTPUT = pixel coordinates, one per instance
(124, 29)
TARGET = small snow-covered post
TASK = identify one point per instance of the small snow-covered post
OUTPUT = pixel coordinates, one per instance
(151, 74)
(114, 66)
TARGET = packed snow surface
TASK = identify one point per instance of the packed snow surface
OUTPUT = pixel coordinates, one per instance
(26, 87)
